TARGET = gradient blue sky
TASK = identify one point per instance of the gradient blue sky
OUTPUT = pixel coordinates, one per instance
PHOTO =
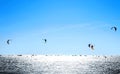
(68, 25)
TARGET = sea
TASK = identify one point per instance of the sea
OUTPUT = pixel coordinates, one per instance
(59, 64)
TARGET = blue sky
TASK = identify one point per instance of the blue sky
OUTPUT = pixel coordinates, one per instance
(68, 25)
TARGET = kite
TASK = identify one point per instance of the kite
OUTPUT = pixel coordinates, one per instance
(114, 28)
(45, 40)
(91, 46)
(8, 41)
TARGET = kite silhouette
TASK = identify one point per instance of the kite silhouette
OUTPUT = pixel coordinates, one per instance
(8, 41)
(91, 46)
(114, 28)
(45, 40)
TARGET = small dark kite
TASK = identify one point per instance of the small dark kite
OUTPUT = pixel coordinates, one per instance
(45, 40)
(8, 41)
(114, 28)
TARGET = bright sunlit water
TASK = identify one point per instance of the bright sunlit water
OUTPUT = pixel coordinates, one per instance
(60, 64)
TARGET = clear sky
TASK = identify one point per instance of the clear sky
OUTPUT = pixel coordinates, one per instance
(68, 25)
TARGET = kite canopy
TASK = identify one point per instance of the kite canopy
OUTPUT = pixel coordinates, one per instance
(91, 46)
(114, 28)
(8, 41)
(45, 40)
